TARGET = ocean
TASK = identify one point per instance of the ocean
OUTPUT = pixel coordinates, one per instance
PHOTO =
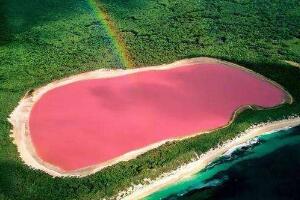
(266, 167)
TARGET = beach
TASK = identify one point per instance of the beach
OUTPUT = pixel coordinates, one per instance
(185, 171)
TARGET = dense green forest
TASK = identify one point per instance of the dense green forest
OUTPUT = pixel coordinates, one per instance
(44, 40)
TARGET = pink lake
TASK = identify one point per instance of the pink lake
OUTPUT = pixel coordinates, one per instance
(93, 121)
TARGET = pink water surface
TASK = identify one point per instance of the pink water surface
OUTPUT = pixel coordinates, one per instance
(93, 121)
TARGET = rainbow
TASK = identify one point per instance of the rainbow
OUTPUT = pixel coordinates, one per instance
(117, 41)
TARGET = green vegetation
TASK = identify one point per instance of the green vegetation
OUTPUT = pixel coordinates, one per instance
(43, 40)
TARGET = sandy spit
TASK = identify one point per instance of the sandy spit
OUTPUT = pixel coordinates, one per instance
(295, 64)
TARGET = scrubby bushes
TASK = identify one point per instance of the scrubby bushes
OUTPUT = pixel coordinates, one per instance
(67, 39)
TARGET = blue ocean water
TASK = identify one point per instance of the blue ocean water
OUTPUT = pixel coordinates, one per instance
(267, 167)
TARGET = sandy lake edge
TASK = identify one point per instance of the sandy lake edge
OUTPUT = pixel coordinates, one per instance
(19, 118)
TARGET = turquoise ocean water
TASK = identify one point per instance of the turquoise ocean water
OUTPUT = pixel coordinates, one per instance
(266, 167)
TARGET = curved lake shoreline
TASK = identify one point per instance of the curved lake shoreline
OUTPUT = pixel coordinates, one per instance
(30, 154)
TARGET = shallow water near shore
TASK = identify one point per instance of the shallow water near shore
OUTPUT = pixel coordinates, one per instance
(266, 167)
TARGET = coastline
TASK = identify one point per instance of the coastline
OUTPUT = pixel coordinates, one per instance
(19, 118)
(183, 172)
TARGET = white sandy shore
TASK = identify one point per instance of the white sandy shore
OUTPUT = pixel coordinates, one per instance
(19, 118)
(187, 170)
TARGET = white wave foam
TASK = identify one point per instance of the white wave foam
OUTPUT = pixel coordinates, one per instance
(238, 147)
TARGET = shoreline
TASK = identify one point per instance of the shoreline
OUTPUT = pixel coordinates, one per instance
(19, 118)
(185, 171)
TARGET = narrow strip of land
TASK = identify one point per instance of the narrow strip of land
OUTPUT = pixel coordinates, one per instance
(189, 169)
(295, 64)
